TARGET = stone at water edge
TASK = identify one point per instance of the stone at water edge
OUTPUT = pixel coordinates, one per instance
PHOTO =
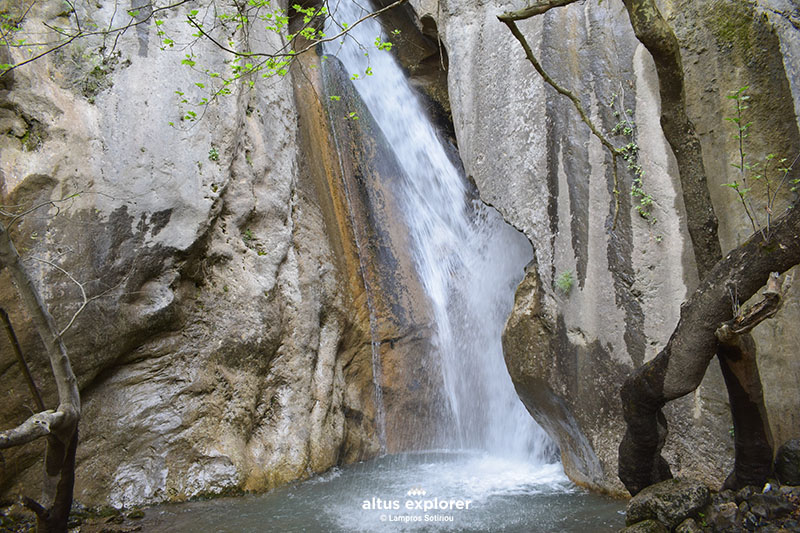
(787, 462)
(670, 502)
(724, 517)
(770, 506)
(647, 526)
(688, 526)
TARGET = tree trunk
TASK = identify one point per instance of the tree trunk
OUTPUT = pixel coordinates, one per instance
(59, 426)
(752, 439)
(679, 368)
(744, 387)
(739, 367)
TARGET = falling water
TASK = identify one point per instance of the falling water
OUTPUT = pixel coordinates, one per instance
(468, 259)
(469, 262)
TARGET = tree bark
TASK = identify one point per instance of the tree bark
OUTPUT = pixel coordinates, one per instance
(752, 439)
(538, 8)
(68, 394)
(738, 364)
(59, 426)
(679, 368)
(26, 371)
(657, 36)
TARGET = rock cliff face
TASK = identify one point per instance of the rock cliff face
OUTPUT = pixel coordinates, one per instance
(228, 343)
(601, 301)
(225, 347)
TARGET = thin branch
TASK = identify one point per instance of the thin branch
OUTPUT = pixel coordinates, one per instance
(783, 180)
(85, 301)
(26, 371)
(37, 426)
(17, 216)
(561, 90)
(292, 53)
(81, 34)
(39, 56)
(615, 152)
(753, 316)
(532, 11)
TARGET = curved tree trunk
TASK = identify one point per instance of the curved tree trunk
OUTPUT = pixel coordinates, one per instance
(753, 449)
(737, 361)
(679, 368)
(59, 426)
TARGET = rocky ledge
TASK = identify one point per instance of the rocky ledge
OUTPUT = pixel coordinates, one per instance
(686, 506)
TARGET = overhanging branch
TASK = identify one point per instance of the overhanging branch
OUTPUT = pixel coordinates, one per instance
(37, 426)
(753, 316)
(531, 11)
(615, 152)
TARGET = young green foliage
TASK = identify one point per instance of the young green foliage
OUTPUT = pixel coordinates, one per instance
(758, 182)
(626, 127)
(565, 281)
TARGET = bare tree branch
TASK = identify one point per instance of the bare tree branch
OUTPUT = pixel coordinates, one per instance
(753, 316)
(531, 11)
(84, 298)
(615, 152)
(37, 426)
(67, 384)
(26, 371)
(80, 34)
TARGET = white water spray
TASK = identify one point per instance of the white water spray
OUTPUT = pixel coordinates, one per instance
(468, 259)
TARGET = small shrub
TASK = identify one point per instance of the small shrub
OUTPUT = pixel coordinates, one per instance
(565, 281)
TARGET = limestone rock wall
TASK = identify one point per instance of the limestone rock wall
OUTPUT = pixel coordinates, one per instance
(222, 349)
(570, 344)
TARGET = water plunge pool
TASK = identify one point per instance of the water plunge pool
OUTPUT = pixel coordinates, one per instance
(426, 491)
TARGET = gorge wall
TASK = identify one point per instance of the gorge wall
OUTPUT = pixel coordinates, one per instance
(227, 344)
(601, 301)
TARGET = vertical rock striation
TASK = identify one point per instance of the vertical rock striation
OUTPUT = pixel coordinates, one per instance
(601, 301)
(224, 346)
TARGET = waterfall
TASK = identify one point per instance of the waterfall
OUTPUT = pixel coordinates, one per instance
(468, 259)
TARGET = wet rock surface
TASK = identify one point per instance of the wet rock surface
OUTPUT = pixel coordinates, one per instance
(607, 301)
(787, 462)
(675, 505)
(221, 349)
(670, 502)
